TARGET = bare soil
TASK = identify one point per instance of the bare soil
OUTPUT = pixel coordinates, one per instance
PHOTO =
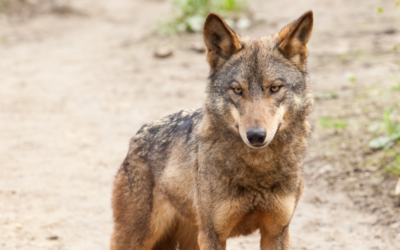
(74, 87)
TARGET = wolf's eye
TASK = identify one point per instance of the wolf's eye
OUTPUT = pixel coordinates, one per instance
(237, 91)
(275, 89)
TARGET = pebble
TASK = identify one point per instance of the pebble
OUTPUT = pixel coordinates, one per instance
(52, 237)
(198, 47)
(163, 52)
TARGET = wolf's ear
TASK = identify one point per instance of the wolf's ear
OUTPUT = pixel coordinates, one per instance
(220, 40)
(294, 39)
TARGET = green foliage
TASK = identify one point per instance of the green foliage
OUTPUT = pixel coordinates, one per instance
(329, 122)
(351, 77)
(391, 136)
(4, 41)
(397, 87)
(189, 15)
(326, 95)
(394, 166)
(391, 130)
(388, 129)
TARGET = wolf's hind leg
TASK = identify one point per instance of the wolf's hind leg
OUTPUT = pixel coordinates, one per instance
(132, 208)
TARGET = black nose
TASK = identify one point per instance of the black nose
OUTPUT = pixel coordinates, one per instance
(256, 136)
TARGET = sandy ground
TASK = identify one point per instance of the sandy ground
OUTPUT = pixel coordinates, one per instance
(74, 89)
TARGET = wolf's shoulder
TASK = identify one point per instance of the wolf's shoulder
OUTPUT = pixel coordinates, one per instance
(181, 123)
(174, 122)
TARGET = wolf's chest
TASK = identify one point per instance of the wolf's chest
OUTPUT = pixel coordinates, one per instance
(277, 209)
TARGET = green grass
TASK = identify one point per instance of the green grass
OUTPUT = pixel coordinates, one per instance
(189, 15)
(388, 141)
(397, 86)
(351, 77)
(394, 166)
(326, 95)
(390, 129)
(387, 131)
(4, 41)
(329, 122)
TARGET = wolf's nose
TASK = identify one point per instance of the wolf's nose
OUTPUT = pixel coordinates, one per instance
(256, 136)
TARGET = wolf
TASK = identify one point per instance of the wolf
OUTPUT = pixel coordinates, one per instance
(194, 179)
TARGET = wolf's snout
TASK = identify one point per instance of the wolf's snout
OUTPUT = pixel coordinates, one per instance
(256, 136)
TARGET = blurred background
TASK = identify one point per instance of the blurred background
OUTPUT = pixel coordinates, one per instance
(79, 77)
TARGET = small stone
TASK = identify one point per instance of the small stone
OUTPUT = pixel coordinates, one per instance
(52, 237)
(198, 47)
(372, 169)
(395, 225)
(163, 52)
(325, 169)
(390, 31)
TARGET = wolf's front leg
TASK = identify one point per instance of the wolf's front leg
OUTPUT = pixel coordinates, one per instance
(217, 222)
(209, 240)
(271, 240)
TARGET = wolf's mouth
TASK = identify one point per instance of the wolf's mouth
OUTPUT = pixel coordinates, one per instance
(277, 130)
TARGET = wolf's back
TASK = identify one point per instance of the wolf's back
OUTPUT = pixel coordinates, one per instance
(154, 142)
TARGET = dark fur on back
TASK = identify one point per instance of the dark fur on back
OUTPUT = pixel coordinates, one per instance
(193, 179)
(158, 139)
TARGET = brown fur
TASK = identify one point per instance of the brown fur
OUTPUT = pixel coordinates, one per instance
(193, 179)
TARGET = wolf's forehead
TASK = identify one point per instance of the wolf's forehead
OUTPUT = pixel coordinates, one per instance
(261, 62)
(257, 63)
(259, 46)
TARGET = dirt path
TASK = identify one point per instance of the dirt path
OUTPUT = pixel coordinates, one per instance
(75, 88)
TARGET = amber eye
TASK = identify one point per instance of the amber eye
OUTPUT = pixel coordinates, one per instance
(275, 89)
(237, 91)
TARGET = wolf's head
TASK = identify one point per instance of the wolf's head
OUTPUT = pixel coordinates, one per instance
(258, 87)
